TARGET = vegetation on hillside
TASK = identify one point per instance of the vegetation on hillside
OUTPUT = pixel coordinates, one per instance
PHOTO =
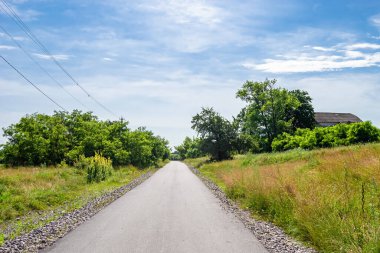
(40, 139)
(329, 197)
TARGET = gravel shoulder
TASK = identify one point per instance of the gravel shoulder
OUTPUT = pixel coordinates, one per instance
(272, 237)
(45, 236)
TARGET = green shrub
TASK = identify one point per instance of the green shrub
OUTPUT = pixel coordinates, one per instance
(323, 137)
(362, 133)
(98, 167)
(82, 163)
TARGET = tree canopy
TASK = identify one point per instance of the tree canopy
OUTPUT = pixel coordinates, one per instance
(216, 133)
(266, 114)
(303, 115)
(190, 148)
(63, 137)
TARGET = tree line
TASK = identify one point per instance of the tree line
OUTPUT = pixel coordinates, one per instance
(65, 137)
(272, 120)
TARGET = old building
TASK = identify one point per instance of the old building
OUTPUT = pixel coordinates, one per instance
(332, 118)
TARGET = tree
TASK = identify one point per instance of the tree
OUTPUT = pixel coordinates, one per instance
(190, 148)
(36, 139)
(303, 115)
(217, 134)
(42, 139)
(265, 116)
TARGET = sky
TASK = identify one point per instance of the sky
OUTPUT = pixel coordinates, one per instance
(157, 63)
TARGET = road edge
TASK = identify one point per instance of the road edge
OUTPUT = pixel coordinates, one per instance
(269, 235)
(45, 236)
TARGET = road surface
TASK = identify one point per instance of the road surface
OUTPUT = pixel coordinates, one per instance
(172, 211)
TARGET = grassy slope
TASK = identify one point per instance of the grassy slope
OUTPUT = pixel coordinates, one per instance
(329, 197)
(31, 197)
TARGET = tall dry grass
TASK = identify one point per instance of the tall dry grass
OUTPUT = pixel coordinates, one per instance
(329, 198)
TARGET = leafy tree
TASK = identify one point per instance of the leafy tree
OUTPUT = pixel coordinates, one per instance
(246, 143)
(303, 115)
(36, 139)
(42, 139)
(190, 148)
(145, 148)
(265, 116)
(173, 156)
(217, 134)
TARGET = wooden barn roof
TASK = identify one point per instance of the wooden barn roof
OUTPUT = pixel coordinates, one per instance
(332, 117)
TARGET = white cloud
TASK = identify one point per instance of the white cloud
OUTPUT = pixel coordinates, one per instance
(190, 26)
(5, 47)
(342, 57)
(18, 38)
(363, 46)
(309, 65)
(323, 49)
(186, 11)
(186, 26)
(25, 15)
(375, 20)
(59, 57)
(354, 54)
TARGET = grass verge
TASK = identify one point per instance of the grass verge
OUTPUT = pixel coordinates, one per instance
(32, 197)
(329, 198)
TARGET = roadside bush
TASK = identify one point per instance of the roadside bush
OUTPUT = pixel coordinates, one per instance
(98, 167)
(323, 137)
(363, 132)
(82, 163)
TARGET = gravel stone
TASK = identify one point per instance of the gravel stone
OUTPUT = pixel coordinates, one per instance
(272, 237)
(45, 236)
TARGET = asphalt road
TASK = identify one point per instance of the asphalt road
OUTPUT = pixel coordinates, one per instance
(173, 211)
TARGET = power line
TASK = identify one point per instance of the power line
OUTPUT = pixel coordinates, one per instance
(30, 82)
(11, 13)
(39, 65)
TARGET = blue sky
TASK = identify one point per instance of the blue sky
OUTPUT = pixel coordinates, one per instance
(156, 63)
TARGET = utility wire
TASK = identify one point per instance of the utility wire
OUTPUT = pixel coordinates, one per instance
(11, 13)
(30, 82)
(39, 65)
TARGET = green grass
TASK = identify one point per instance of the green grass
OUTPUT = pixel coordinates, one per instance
(32, 197)
(329, 198)
(197, 162)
